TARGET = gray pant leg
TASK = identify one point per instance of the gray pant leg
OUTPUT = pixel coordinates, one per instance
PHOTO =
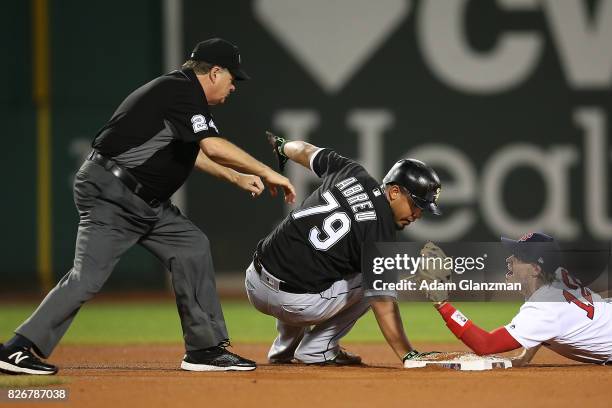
(289, 334)
(331, 313)
(103, 235)
(185, 251)
(288, 339)
(321, 341)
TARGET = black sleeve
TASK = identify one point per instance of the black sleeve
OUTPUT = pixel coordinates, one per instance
(382, 230)
(191, 115)
(327, 162)
(379, 231)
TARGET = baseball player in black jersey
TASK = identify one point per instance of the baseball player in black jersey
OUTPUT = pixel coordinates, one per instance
(157, 135)
(306, 273)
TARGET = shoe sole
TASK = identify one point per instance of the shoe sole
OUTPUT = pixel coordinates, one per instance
(8, 368)
(205, 367)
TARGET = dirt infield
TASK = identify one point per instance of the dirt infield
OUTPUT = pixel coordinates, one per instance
(135, 376)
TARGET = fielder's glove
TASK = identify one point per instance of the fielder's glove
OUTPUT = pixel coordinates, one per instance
(433, 271)
(278, 143)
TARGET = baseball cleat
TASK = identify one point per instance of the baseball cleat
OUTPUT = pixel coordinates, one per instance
(216, 359)
(23, 361)
(343, 358)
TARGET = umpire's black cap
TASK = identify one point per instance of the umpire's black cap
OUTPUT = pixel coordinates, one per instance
(220, 52)
(421, 181)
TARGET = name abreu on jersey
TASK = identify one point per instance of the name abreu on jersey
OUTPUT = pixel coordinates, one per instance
(321, 241)
(358, 199)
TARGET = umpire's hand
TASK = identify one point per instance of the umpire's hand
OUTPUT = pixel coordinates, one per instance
(274, 180)
(250, 183)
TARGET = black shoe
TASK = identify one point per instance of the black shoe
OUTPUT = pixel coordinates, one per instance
(216, 359)
(343, 358)
(23, 361)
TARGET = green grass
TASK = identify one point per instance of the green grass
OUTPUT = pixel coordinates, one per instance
(24, 381)
(157, 322)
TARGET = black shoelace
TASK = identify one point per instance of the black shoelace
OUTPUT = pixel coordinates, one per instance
(225, 344)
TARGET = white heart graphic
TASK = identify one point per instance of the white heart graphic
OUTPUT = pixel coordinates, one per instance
(332, 39)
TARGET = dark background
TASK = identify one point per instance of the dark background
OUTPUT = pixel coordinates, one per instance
(102, 51)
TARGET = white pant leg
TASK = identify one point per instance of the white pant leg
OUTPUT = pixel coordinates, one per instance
(257, 292)
(284, 346)
(286, 307)
(333, 312)
(342, 305)
(321, 342)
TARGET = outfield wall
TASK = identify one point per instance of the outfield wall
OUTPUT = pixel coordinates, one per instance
(510, 100)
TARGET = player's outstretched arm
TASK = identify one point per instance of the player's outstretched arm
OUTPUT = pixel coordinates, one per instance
(248, 182)
(389, 320)
(227, 154)
(300, 152)
(479, 340)
(297, 150)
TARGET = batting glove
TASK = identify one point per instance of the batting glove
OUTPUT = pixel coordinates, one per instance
(278, 143)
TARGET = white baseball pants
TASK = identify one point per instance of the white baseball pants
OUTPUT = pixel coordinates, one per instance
(309, 325)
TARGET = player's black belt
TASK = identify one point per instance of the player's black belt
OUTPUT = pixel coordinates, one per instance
(284, 286)
(126, 178)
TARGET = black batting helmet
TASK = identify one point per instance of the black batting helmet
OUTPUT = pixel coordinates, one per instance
(420, 180)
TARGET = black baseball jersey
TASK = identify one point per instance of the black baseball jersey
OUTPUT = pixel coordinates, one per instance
(156, 130)
(320, 242)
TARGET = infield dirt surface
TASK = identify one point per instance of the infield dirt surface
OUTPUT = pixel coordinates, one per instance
(149, 376)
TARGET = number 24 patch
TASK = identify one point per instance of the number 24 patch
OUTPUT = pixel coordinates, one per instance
(199, 124)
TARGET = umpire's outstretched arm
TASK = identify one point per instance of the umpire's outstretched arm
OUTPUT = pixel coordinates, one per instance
(248, 182)
(227, 154)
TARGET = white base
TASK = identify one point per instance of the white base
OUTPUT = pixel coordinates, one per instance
(465, 363)
(203, 367)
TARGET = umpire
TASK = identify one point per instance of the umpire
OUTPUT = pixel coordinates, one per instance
(158, 134)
